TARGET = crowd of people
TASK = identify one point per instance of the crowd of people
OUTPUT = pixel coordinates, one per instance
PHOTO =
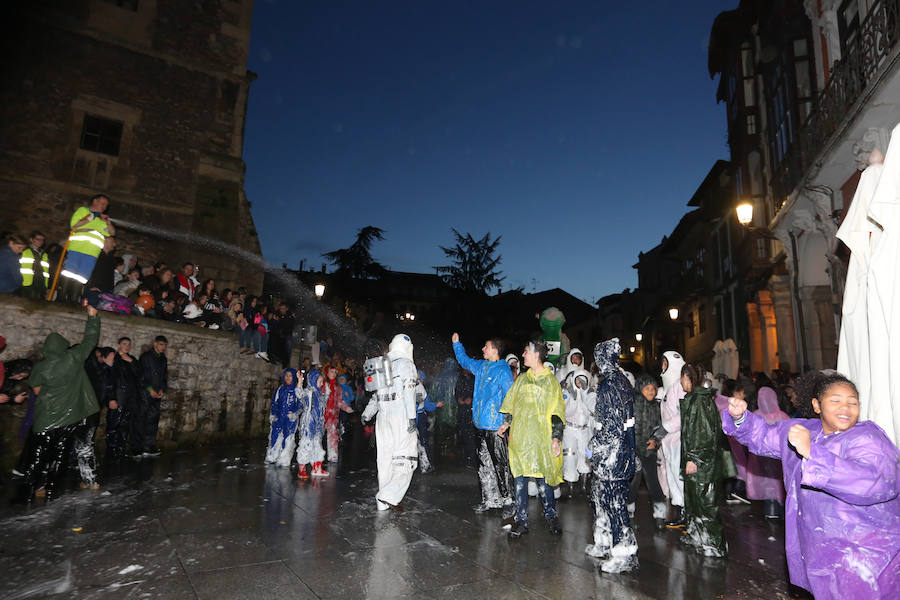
(89, 269)
(65, 393)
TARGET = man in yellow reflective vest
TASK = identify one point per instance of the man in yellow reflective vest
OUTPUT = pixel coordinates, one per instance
(35, 267)
(90, 228)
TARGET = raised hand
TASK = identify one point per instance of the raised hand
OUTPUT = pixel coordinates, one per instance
(798, 436)
(454, 338)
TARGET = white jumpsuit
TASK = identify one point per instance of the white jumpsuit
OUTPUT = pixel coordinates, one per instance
(396, 445)
(577, 433)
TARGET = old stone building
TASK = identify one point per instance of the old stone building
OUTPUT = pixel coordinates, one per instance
(142, 100)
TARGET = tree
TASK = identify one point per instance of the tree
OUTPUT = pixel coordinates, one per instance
(356, 261)
(474, 267)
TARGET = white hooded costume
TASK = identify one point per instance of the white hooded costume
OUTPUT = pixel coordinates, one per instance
(670, 409)
(580, 402)
(570, 366)
(395, 428)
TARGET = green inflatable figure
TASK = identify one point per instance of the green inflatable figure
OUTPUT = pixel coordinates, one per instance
(552, 320)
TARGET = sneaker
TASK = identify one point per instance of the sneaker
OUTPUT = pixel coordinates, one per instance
(517, 531)
(17, 473)
(153, 452)
(507, 523)
(555, 529)
(213, 326)
(302, 473)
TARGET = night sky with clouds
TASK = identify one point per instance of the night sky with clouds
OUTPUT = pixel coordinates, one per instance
(576, 130)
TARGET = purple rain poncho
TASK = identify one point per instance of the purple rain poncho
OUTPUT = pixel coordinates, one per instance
(763, 474)
(842, 517)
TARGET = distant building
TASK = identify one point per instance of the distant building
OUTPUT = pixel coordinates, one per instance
(142, 100)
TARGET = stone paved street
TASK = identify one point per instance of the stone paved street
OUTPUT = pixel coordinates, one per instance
(218, 524)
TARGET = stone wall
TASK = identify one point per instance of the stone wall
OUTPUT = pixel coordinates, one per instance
(214, 392)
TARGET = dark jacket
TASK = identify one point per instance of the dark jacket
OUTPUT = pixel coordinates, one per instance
(10, 271)
(154, 371)
(700, 434)
(128, 381)
(102, 276)
(612, 445)
(66, 394)
(103, 380)
(647, 423)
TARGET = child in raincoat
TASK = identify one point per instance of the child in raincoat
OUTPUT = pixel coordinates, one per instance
(701, 466)
(312, 424)
(283, 418)
(842, 476)
(613, 460)
(763, 474)
(534, 415)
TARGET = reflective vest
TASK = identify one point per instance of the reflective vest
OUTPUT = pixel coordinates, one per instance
(27, 267)
(89, 237)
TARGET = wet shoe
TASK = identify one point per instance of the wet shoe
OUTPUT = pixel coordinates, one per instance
(17, 473)
(41, 492)
(679, 522)
(397, 507)
(318, 471)
(152, 452)
(517, 531)
(555, 529)
(483, 507)
(89, 486)
(507, 523)
(302, 473)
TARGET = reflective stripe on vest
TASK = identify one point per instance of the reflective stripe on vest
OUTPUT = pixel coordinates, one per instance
(88, 239)
(26, 267)
(75, 276)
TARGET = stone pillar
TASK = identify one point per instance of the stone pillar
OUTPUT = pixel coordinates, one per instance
(755, 337)
(821, 335)
(783, 306)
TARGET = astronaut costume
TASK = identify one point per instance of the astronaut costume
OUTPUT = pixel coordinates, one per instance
(671, 422)
(395, 427)
(312, 424)
(283, 417)
(570, 365)
(580, 402)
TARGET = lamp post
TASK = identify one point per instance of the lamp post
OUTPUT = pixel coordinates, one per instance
(673, 313)
(639, 337)
(320, 290)
(744, 213)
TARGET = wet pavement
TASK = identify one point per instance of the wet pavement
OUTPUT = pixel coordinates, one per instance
(217, 523)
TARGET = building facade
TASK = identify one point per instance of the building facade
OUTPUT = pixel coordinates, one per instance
(144, 101)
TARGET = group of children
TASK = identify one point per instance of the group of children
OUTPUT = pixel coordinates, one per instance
(306, 407)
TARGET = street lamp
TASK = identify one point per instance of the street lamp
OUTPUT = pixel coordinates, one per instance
(639, 336)
(320, 290)
(631, 349)
(744, 213)
(673, 313)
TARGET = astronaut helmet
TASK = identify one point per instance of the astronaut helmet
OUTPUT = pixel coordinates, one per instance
(401, 344)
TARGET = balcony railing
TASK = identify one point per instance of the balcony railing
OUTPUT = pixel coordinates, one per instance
(860, 64)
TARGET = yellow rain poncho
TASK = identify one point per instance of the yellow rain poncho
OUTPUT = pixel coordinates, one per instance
(532, 401)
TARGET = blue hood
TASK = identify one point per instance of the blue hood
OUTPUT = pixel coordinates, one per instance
(606, 355)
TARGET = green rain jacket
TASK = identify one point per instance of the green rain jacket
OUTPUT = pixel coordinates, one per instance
(66, 395)
(532, 401)
(700, 435)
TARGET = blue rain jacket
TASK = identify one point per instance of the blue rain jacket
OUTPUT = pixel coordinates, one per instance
(284, 400)
(492, 381)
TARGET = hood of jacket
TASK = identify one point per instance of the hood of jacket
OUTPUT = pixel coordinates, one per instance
(643, 380)
(672, 374)
(576, 374)
(606, 355)
(55, 346)
(570, 366)
(768, 405)
(293, 373)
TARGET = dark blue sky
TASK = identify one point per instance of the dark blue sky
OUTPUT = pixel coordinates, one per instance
(576, 130)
